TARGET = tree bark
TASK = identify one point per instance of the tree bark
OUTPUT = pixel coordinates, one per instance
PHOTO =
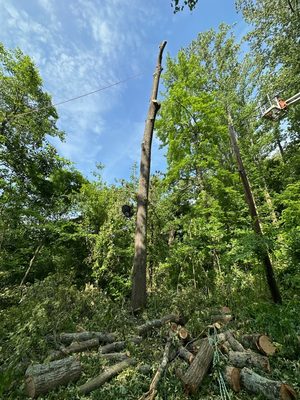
(139, 289)
(272, 390)
(248, 358)
(41, 378)
(112, 347)
(265, 258)
(75, 347)
(68, 338)
(114, 356)
(233, 343)
(109, 373)
(194, 375)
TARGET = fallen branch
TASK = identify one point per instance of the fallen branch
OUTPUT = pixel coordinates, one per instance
(68, 338)
(112, 347)
(150, 395)
(114, 356)
(118, 346)
(109, 373)
(75, 347)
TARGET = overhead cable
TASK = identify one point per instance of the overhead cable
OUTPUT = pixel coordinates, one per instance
(76, 97)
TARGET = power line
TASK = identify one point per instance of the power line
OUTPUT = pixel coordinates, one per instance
(76, 97)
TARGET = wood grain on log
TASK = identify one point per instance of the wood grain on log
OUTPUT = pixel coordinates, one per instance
(271, 390)
(41, 378)
(194, 375)
(262, 343)
(157, 323)
(248, 358)
(109, 373)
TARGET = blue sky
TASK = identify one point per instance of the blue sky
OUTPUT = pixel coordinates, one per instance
(81, 45)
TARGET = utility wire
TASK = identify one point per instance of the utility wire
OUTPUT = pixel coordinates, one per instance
(75, 98)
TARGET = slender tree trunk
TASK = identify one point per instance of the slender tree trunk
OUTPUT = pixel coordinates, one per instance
(36, 252)
(139, 290)
(265, 258)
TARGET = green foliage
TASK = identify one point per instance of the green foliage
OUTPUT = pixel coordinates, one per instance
(178, 5)
(37, 187)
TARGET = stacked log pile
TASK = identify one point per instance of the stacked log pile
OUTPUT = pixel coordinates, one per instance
(244, 357)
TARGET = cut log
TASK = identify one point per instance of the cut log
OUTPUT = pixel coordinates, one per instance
(118, 346)
(262, 343)
(194, 375)
(109, 373)
(271, 390)
(185, 354)
(157, 323)
(68, 338)
(150, 395)
(248, 358)
(112, 347)
(41, 378)
(234, 344)
(232, 378)
(114, 356)
(75, 347)
(183, 334)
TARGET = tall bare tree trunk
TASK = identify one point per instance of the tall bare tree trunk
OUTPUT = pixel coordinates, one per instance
(265, 258)
(139, 290)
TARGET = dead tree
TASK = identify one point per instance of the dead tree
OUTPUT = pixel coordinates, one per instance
(139, 289)
(265, 258)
